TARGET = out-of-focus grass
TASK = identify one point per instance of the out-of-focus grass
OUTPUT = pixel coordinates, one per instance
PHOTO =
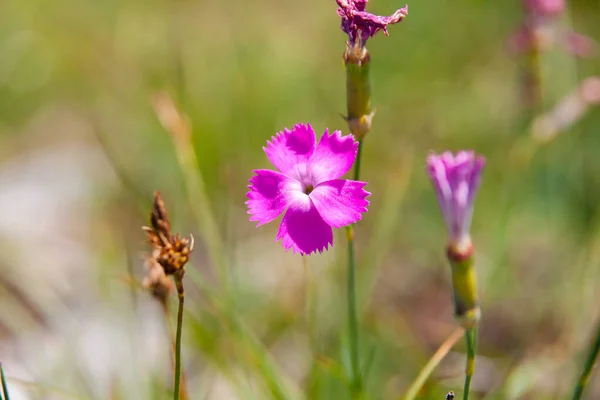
(84, 73)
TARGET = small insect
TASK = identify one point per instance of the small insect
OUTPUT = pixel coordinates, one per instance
(450, 396)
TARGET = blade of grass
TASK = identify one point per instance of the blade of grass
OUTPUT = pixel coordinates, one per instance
(4, 385)
(180, 131)
(590, 362)
(433, 362)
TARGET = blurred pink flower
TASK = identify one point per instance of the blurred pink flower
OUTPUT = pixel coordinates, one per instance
(544, 8)
(527, 39)
(540, 32)
(307, 185)
(579, 45)
(456, 179)
(355, 19)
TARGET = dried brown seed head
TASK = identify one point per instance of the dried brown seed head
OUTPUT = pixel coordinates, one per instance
(169, 251)
(159, 220)
(176, 255)
(159, 285)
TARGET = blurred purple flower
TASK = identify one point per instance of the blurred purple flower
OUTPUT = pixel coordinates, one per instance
(539, 32)
(308, 187)
(456, 179)
(543, 37)
(355, 19)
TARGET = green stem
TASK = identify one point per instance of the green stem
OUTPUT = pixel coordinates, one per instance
(4, 385)
(471, 338)
(357, 162)
(178, 341)
(309, 299)
(589, 366)
(355, 381)
(352, 317)
(309, 303)
(358, 102)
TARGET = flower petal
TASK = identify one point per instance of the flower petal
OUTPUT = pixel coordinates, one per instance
(456, 179)
(369, 24)
(340, 202)
(334, 157)
(289, 151)
(270, 194)
(437, 170)
(355, 19)
(303, 230)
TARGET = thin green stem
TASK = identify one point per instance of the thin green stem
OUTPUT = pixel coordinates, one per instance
(172, 340)
(358, 103)
(178, 339)
(4, 385)
(355, 380)
(471, 338)
(313, 376)
(309, 303)
(357, 162)
(589, 366)
(352, 317)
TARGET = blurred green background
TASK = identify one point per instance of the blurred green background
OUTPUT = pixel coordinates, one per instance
(82, 150)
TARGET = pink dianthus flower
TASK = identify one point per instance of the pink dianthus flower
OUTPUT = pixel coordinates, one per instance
(307, 188)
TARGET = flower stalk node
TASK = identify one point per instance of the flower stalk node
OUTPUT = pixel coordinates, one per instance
(470, 318)
(464, 285)
(356, 54)
(461, 250)
(360, 126)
